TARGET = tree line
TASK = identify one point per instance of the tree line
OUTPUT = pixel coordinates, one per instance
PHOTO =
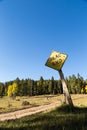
(29, 87)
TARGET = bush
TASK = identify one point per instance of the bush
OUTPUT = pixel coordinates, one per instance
(17, 99)
(25, 103)
(9, 105)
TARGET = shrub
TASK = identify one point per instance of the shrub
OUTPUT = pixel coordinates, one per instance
(9, 105)
(25, 103)
(17, 99)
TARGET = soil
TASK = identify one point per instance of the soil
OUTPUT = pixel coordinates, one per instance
(77, 99)
(26, 112)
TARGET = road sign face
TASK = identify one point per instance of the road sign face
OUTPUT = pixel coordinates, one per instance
(56, 60)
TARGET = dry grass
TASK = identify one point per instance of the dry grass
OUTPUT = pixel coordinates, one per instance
(60, 118)
(7, 104)
(80, 100)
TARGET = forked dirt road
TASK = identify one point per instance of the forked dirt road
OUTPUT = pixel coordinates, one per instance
(30, 111)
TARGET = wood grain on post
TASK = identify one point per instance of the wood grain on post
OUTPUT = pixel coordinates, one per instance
(66, 96)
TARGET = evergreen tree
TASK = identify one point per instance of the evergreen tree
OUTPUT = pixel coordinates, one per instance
(2, 89)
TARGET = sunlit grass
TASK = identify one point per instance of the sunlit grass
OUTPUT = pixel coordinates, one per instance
(8, 104)
(62, 118)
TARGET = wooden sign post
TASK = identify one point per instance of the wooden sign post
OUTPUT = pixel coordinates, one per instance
(56, 61)
(66, 96)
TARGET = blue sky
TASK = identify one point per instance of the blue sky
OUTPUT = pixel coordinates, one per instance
(31, 29)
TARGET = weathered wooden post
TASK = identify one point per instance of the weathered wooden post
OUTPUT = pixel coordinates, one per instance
(66, 96)
(56, 61)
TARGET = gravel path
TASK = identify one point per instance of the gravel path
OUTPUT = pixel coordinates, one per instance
(30, 111)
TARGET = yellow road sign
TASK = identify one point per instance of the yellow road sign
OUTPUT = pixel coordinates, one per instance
(56, 60)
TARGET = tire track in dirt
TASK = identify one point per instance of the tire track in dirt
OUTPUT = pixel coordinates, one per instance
(30, 111)
(26, 112)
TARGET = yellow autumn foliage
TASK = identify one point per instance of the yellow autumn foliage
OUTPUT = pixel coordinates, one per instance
(9, 92)
(12, 89)
(84, 89)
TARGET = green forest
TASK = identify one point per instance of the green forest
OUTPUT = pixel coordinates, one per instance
(29, 87)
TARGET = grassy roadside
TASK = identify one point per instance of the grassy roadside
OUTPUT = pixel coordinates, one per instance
(7, 104)
(61, 118)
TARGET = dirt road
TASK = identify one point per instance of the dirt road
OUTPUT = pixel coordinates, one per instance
(29, 111)
(78, 100)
